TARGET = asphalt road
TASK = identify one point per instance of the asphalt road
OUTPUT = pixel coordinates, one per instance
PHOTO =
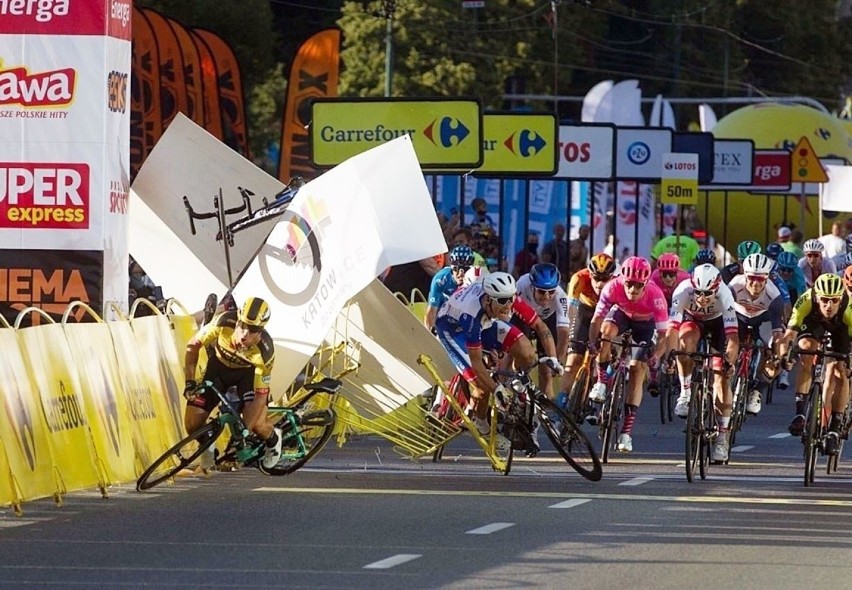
(361, 516)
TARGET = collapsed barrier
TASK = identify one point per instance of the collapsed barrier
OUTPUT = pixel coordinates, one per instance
(89, 405)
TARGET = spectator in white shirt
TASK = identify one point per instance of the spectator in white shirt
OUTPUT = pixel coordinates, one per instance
(834, 242)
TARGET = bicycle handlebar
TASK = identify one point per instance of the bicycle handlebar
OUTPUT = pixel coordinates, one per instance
(817, 353)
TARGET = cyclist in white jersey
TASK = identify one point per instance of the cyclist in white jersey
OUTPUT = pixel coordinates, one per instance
(540, 289)
(814, 262)
(704, 306)
(760, 312)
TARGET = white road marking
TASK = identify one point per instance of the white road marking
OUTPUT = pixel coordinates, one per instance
(741, 448)
(781, 435)
(570, 503)
(392, 561)
(636, 481)
(490, 528)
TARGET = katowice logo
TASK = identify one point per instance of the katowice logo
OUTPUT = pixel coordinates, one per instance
(444, 130)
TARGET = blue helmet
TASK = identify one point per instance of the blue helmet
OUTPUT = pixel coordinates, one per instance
(705, 256)
(461, 256)
(787, 260)
(544, 275)
(773, 250)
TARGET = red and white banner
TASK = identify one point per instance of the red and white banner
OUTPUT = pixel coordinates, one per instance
(64, 119)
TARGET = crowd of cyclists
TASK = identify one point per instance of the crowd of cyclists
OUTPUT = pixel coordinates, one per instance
(769, 297)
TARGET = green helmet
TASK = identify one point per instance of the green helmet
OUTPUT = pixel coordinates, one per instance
(747, 248)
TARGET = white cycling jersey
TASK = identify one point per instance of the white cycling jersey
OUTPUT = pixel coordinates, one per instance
(745, 304)
(811, 275)
(683, 302)
(558, 304)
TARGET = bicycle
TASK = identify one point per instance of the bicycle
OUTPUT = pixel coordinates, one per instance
(305, 431)
(816, 420)
(746, 366)
(834, 460)
(701, 428)
(578, 397)
(530, 406)
(613, 406)
(669, 388)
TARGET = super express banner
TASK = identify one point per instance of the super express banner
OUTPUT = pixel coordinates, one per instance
(64, 157)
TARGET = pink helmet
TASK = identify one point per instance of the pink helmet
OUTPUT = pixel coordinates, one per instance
(668, 262)
(636, 268)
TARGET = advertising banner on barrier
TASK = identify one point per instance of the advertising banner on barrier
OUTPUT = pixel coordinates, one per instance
(64, 68)
(49, 280)
(156, 350)
(22, 427)
(52, 371)
(152, 427)
(104, 399)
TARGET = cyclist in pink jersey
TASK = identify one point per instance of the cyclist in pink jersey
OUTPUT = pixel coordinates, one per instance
(668, 275)
(629, 302)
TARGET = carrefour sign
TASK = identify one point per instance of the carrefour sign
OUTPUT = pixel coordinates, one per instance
(519, 144)
(446, 133)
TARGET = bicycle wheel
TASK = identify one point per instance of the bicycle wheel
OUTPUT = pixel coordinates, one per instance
(667, 385)
(694, 427)
(577, 396)
(181, 455)
(569, 440)
(314, 429)
(708, 424)
(812, 434)
(609, 415)
(738, 410)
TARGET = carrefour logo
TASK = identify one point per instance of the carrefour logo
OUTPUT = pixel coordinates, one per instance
(444, 130)
(525, 143)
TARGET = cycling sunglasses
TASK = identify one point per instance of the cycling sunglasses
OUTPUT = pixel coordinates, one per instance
(601, 278)
(545, 291)
(785, 269)
(832, 300)
(668, 274)
(704, 292)
(458, 268)
(503, 300)
(813, 254)
(756, 278)
(638, 285)
(250, 329)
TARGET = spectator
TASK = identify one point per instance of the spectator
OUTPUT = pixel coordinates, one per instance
(556, 252)
(527, 257)
(403, 278)
(834, 241)
(784, 238)
(481, 219)
(578, 252)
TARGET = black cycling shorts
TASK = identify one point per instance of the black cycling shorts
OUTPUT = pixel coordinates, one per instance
(223, 378)
(815, 329)
(578, 339)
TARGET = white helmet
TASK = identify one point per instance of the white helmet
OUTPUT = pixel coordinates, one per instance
(499, 284)
(474, 274)
(813, 246)
(757, 264)
(706, 277)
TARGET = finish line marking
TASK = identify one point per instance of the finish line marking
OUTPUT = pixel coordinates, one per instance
(636, 481)
(490, 528)
(557, 495)
(571, 503)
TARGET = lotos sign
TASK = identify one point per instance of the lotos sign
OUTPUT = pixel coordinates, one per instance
(44, 195)
(586, 152)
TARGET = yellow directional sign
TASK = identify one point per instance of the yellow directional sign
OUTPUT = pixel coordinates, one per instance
(679, 179)
(805, 165)
(445, 133)
(516, 144)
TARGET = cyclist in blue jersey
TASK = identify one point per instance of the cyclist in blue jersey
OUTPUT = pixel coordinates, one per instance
(787, 267)
(773, 250)
(446, 281)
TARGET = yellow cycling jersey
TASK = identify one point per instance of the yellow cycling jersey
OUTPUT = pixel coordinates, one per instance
(806, 309)
(218, 338)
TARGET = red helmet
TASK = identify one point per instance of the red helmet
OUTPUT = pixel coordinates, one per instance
(847, 277)
(636, 268)
(668, 262)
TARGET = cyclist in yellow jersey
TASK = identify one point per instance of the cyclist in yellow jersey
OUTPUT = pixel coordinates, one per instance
(822, 309)
(241, 354)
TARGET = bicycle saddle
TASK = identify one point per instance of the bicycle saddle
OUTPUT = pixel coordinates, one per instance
(327, 385)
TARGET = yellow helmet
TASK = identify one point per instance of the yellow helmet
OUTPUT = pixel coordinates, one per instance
(254, 312)
(828, 285)
(602, 264)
